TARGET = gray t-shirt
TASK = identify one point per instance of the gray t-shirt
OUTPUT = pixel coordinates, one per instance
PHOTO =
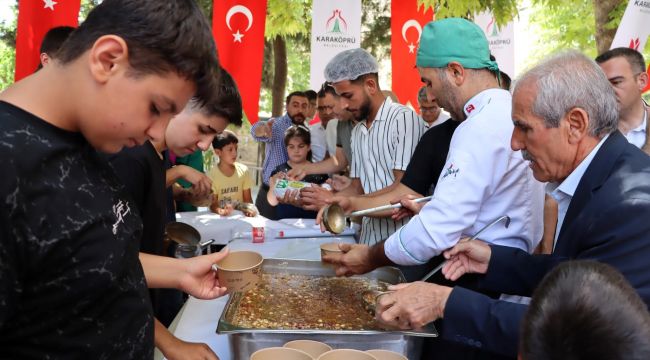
(344, 136)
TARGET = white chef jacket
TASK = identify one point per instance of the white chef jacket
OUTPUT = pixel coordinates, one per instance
(483, 179)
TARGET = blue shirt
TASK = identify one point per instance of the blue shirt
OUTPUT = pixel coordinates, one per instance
(563, 192)
(276, 152)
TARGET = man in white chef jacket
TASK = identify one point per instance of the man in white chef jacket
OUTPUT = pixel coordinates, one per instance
(483, 177)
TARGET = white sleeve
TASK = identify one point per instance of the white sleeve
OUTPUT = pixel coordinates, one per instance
(474, 165)
(330, 136)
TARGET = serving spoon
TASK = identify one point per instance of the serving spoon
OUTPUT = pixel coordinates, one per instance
(370, 297)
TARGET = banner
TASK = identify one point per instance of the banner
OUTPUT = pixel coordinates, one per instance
(335, 27)
(634, 29)
(407, 21)
(501, 39)
(35, 18)
(238, 29)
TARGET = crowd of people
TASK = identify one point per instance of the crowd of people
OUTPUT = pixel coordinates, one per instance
(89, 186)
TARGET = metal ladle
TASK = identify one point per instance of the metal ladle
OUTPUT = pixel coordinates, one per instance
(187, 238)
(375, 294)
(334, 217)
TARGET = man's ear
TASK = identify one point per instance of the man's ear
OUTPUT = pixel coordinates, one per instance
(456, 73)
(108, 56)
(371, 85)
(578, 124)
(642, 80)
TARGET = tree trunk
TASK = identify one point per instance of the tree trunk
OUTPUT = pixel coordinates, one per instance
(604, 36)
(279, 75)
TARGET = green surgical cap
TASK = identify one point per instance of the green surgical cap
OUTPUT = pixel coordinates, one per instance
(454, 39)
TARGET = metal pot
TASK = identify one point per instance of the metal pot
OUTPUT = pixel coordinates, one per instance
(187, 238)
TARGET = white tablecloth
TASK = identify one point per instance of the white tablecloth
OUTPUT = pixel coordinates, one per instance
(224, 228)
(198, 319)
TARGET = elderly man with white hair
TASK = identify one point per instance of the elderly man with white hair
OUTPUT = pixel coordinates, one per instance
(565, 116)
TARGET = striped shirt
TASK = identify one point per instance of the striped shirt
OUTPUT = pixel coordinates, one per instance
(376, 151)
(276, 153)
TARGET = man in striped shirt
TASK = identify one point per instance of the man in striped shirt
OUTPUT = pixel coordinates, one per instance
(383, 140)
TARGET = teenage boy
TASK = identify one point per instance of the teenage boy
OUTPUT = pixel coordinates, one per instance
(72, 283)
(142, 170)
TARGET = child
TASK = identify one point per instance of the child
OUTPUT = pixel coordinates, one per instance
(142, 170)
(297, 139)
(231, 181)
(72, 283)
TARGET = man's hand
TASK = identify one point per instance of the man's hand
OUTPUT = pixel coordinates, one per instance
(354, 260)
(264, 129)
(315, 197)
(198, 279)
(465, 258)
(297, 173)
(412, 305)
(409, 207)
(339, 182)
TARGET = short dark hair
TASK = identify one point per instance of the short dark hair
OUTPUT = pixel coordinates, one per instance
(295, 93)
(633, 57)
(311, 95)
(585, 310)
(54, 38)
(162, 36)
(228, 103)
(225, 138)
(325, 89)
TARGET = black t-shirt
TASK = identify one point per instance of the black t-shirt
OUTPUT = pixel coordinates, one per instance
(286, 211)
(71, 284)
(143, 173)
(429, 158)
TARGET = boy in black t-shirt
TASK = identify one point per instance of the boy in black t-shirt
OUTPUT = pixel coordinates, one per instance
(142, 170)
(71, 285)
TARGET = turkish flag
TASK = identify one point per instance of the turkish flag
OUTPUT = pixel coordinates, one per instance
(238, 28)
(407, 21)
(35, 18)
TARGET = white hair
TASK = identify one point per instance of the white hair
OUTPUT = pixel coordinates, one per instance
(571, 80)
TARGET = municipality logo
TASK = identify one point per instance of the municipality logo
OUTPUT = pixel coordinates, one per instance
(336, 28)
(335, 22)
(493, 32)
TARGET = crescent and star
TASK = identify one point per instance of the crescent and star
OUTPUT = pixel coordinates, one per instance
(241, 9)
(411, 24)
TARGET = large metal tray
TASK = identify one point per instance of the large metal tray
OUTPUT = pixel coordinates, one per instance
(245, 341)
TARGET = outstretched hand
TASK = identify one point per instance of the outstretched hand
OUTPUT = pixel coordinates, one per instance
(199, 280)
(466, 257)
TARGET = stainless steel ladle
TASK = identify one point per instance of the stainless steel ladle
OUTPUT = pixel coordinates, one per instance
(334, 218)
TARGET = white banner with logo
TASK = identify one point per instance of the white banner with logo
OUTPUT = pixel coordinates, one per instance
(501, 39)
(335, 27)
(634, 29)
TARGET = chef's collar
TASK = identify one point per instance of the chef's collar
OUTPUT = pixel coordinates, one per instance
(476, 103)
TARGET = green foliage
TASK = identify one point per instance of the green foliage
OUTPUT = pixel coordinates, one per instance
(287, 17)
(503, 10)
(375, 28)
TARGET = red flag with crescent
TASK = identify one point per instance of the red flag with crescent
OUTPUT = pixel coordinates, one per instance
(238, 28)
(407, 21)
(35, 18)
